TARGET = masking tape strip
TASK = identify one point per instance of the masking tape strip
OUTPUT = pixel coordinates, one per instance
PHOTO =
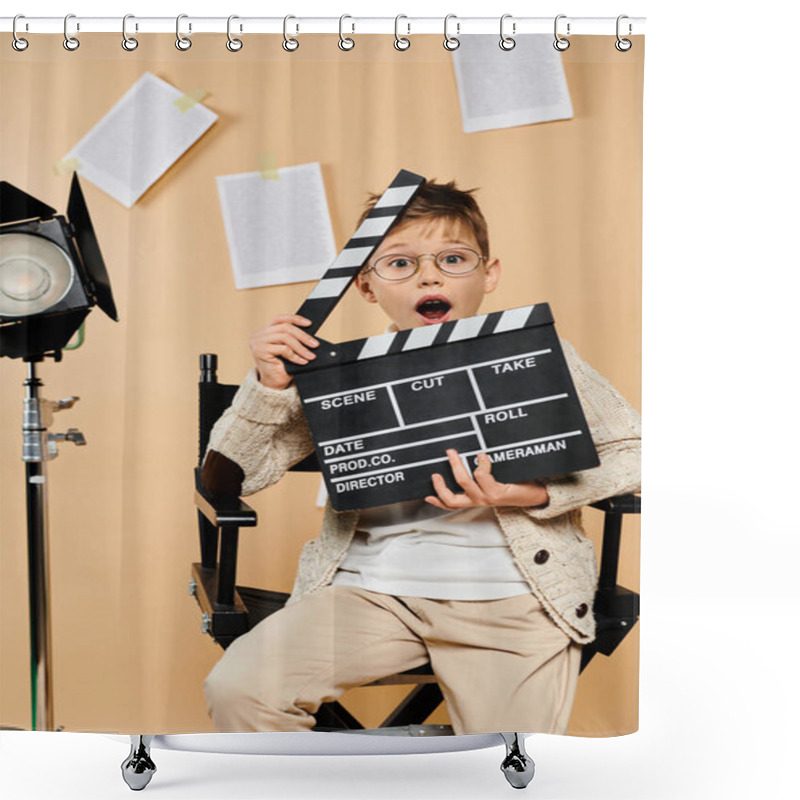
(190, 99)
(66, 165)
(268, 166)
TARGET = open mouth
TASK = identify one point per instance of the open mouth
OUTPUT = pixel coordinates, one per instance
(434, 309)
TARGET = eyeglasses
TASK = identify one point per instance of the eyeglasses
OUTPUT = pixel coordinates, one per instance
(454, 261)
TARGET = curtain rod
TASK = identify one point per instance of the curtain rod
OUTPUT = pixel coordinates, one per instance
(597, 26)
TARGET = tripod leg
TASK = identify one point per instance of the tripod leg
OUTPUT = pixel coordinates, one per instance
(138, 768)
(518, 766)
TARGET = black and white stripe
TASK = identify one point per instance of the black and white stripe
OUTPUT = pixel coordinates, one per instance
(446, 332)
(337, 279)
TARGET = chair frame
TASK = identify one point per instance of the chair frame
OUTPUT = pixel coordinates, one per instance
(226, 615)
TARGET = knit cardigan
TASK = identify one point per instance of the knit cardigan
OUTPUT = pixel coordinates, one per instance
(264, 432)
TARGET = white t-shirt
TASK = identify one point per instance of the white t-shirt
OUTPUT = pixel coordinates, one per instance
(415, 549)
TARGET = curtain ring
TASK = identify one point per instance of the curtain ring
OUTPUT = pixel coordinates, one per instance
(128, 42)
(70, 42)
(400, 42)
(507, 42)
(560, 43)
(451, 42)
(182, 42)
(623, 45)
(290, 44)
(345, 42)
(233, 44)
(18, 43)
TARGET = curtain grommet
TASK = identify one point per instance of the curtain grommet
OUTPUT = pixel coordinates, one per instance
(233, 44)
(18, 43)
(561, 43)
(400, 42)
(507, 42)
(623, 45)
(70, 43)
(345, 42)
(129, 43)
(290, 44)
(183, 43)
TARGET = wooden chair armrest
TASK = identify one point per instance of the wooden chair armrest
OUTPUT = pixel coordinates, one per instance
(621, 504)
(225, 511)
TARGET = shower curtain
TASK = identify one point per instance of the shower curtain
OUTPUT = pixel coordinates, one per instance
(221, 185)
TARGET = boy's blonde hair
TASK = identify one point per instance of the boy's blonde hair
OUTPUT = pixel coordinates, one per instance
(443, 201)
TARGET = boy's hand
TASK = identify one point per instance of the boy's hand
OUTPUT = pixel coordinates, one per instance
(281, 338)
(482, 489)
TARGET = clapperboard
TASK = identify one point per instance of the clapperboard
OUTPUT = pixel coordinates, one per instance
(384, 410)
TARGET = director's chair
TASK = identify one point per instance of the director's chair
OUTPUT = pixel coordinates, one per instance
(229, 611)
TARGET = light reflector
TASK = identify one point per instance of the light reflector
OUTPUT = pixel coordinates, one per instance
(35, 274)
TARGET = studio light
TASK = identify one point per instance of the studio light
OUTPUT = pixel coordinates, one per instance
(51, 273)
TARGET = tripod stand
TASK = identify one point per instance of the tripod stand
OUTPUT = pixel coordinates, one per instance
(38, 447)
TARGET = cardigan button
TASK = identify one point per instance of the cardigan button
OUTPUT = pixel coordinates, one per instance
(582, 610)
(541, 557)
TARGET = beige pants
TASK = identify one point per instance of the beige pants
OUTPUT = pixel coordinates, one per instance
(502, 664)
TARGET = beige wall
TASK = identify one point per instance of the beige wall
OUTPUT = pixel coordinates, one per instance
(563, 203)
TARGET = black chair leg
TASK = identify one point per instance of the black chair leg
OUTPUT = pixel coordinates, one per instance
(335, 717)
(417, 707)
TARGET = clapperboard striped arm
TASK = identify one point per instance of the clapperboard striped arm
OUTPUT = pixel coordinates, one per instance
(336, 281)
(456, 331)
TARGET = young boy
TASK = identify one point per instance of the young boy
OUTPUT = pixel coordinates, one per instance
(493, 585)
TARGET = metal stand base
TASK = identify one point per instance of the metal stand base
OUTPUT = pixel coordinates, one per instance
(517, 766)
(138, 768)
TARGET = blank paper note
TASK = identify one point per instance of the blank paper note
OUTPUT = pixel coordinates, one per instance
(505, 88)
(140, 138)
(278, 231)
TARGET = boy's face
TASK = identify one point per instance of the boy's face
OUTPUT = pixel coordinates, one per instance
(430, 296)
